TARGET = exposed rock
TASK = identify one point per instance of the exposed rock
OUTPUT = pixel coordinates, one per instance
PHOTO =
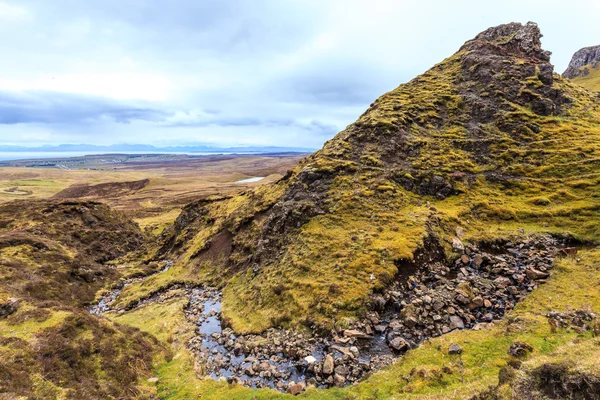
(455, 349)
(296, 388)
(519, 349)
(586, 57)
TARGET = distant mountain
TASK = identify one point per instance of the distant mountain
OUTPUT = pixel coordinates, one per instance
(584, 68)
(149, 148)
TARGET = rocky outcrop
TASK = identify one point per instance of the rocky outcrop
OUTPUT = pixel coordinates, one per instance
(582, 61)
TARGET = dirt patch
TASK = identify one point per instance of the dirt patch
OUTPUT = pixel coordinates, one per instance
(102, 190)
(218, 248)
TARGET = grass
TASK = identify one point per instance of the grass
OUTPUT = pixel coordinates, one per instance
(156, 224)
(590, 81)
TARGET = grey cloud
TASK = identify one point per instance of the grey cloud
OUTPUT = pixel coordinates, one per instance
(63, 108)
(291, 72)
(315, 127)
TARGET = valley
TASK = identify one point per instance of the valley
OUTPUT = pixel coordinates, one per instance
(443, 246)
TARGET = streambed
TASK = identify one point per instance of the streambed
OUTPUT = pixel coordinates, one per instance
(428, 300)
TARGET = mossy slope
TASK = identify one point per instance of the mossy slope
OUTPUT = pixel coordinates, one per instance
(53, 259)
(490, 139)
(591, 80)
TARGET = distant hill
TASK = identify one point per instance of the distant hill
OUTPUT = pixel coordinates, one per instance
(584, 68)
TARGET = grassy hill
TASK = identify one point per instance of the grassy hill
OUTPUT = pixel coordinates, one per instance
(490, 140)
(590, 81)
(54, 256)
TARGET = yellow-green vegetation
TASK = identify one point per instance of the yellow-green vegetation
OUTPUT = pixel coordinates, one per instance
(489, 144)
(591, 80)
(156, 224)
(52, 261)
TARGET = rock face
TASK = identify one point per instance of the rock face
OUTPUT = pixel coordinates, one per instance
(588, 57)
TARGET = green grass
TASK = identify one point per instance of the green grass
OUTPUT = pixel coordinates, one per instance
(590, 81)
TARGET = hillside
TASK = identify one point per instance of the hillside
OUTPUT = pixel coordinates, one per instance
(490, 140)
(54, 256)
(584, 68)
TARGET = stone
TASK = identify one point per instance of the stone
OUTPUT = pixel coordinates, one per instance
(519, 349)
(502, 282)
(456, 322)
(487, 303)
(153, 379)
(535, 274)
(476, 303)
(310, 359)
(399, 344)
(353, 333)
(296, 388)
(339, 380)
(341, 370)
(455, 349)
(457, 244)
(410, 321)
(378, 302)
(477, 260)
(328, 365)
(465, 259)
(8, 307)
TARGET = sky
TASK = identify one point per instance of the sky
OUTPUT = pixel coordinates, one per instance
(235, 72)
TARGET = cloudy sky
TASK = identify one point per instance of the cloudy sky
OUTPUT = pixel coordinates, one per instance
(235, 72)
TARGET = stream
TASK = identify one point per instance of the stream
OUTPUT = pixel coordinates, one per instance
(429, 301)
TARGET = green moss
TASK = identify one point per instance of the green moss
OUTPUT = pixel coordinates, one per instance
(591, 80)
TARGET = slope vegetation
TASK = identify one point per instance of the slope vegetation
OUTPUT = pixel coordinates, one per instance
(53, 258)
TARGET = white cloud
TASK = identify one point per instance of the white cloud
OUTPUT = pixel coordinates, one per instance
(12, 12)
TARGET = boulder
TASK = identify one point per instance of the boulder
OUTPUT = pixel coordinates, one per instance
(535, 274)
(399, 344)
(455, 349)
(328, 365)
(353, 333)
(476, 303)
(477, 260)
(296, 388)
(456, 322)
(339, 380)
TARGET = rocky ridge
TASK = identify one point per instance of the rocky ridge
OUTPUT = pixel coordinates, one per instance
(581, 63)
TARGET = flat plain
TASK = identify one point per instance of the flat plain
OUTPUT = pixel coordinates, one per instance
(152, 189)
